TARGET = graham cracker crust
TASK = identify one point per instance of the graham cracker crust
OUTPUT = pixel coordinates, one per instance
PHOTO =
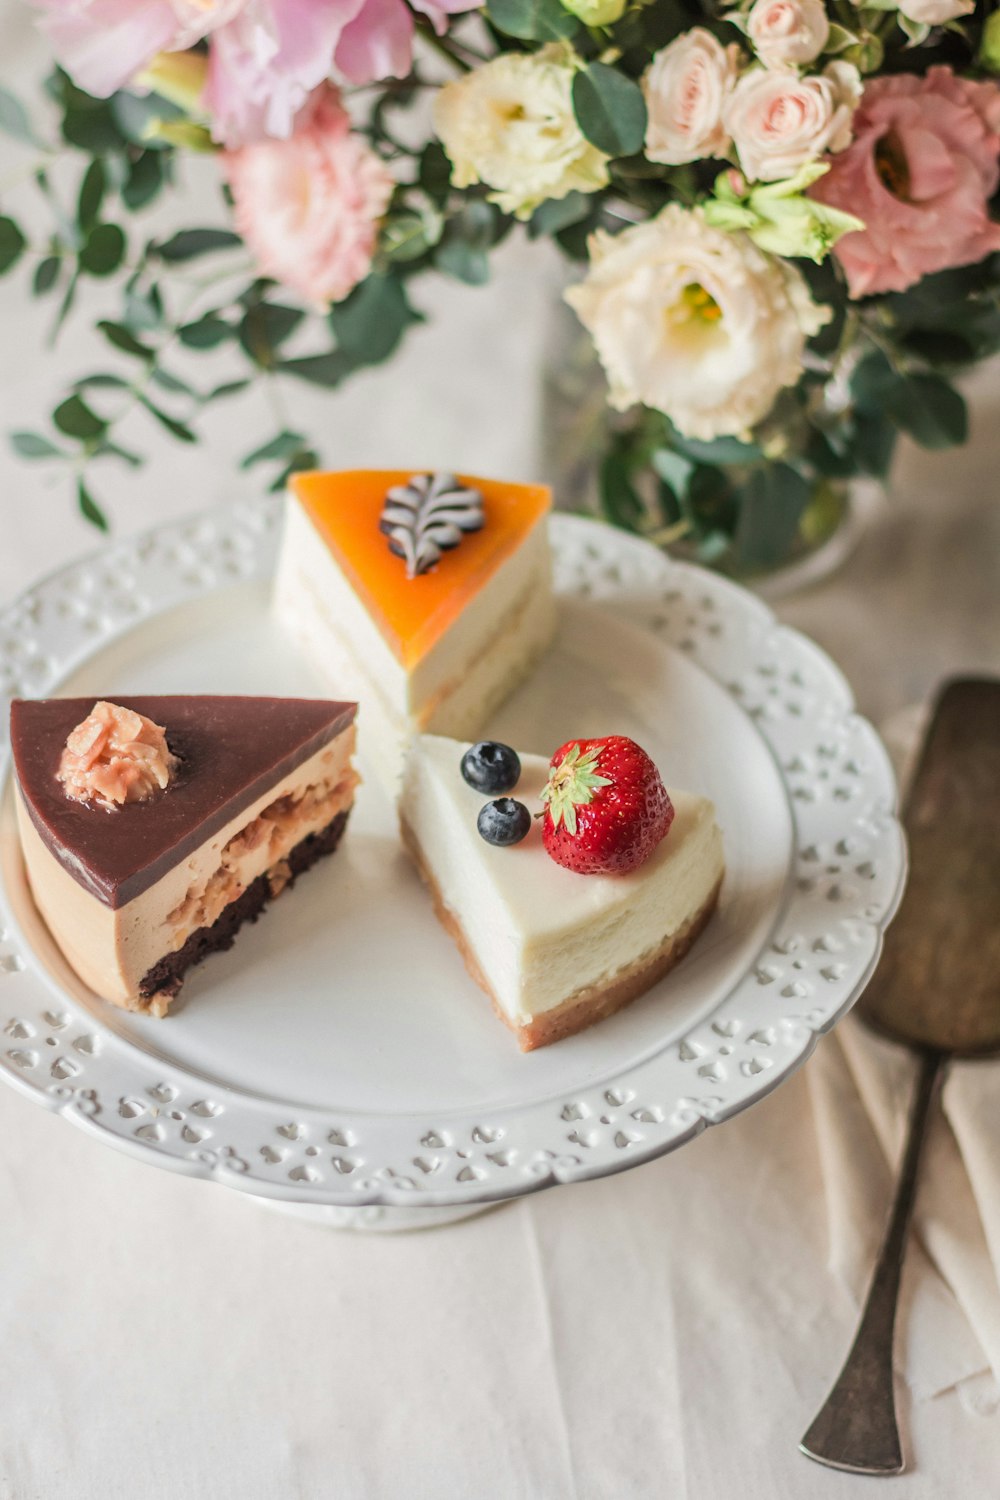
(585, 1007)
(162, 982)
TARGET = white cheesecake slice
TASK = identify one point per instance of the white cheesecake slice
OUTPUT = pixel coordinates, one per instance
(554, 950)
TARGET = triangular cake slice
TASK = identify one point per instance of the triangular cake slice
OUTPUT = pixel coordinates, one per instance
(152, 827)
(430, 595)
(554, 950)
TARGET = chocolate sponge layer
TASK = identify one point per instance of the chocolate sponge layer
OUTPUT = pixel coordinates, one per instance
(167, 976)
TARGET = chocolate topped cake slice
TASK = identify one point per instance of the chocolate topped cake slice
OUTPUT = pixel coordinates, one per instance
(153, 827)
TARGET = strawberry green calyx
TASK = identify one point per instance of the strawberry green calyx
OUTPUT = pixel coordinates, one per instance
(572, 784)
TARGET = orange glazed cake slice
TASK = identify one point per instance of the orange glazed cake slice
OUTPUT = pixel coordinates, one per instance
(428, 595)
(153, 827)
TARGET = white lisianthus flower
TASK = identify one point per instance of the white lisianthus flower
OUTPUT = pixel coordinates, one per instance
(685, 87)
(694, 321)
(788, 33)
(936, 12)
(779, 121)
(511, 125)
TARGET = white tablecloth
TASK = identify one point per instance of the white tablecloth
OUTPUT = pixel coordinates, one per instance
(666, 1332)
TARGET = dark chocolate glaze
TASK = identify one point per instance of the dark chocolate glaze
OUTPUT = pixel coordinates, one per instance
(231, 750)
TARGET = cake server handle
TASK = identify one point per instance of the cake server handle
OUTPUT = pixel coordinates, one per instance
(856, 1427)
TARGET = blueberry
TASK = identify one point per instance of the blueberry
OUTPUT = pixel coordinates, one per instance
(490, 767)
(503, 821)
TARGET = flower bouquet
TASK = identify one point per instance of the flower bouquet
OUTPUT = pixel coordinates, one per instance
(779, 214)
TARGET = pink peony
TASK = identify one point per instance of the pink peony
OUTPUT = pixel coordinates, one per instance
(264, 66)
(103, 43)
(923, 164)
(309, 207)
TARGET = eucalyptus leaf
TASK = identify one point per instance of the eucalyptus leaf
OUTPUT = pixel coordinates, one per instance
(369, 324)
(118, 335)
(14, 120)
(92, 191)
(103, 250)
(176, 428)
(929, 409)
(264, 327)
(609, 109)
(34, 445)
(89, 507)
(772, 503)
(207, 333)
(285, 445)
(146, 176)
(188, 243)
(532, 20)
(12, 243)
(46, 275)
(75, 418)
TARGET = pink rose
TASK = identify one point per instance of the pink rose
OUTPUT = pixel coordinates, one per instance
(102, 43)
(685, 87)
(309, 207)
(779, 121)
(923, 165)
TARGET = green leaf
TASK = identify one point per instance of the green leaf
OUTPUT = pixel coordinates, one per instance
(929, 409)
(558, 213)
(90, 124)
(228, 388)
(872, 380)
(285, 445)
(133, 114)
(620, 501)
(369, 323)
(463, 261)
(34, 445)
(532, 20)
(101, 382)
(264, 327)
(90, 508)
(103, 250)
(112, 450)
(322, 369)
(305, 458)
(772, 502)
(715, 451)
(46, 275)
(409, 235)
(75, 418)
(434, 173)
(118, 335)
(146, 176)
(12, 243)
(188, 243)
(14, 119)
(92, 191)
(609, 109)
(143, 308)
(207, 333)
(176, 428)
(674, 469)
(873, 444)
(168, 382)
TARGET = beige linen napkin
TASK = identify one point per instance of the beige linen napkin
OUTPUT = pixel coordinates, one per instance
(861, 1088)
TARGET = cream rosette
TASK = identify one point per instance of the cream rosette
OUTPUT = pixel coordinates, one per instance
(694, 321)
(788, 33)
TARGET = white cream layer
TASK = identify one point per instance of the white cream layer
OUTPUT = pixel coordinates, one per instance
(113, 949)
(458, 683)
(541, 933)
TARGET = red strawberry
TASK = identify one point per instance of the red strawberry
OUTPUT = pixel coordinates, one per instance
(607, 808)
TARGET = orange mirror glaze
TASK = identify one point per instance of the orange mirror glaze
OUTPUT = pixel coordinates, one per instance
(414, 613)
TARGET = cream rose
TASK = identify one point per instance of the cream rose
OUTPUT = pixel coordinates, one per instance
(511, 125)
(788, 33)
(936, 12)
(695, 321)
(685, 87)
(779, 121)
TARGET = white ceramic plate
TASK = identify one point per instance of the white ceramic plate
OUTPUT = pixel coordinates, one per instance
(339, 1054)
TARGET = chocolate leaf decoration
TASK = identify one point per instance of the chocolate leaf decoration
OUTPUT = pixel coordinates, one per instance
(428, 516)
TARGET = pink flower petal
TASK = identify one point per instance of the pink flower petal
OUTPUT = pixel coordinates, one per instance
(378, 43)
